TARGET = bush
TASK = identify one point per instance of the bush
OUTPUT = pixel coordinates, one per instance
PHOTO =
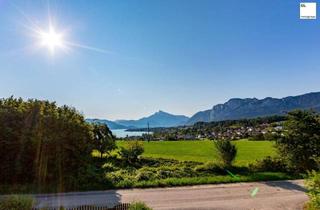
(226, 151)
(17, 202)
(164, 173)
(121, 175)
(132, 151)
(176, 171)
(145, 174)
(139, 206)
(156, 162)
(210, 167)
(313, 185)
(269, 164)
(108, 167)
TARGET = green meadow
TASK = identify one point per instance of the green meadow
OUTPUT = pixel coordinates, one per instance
(203, 151)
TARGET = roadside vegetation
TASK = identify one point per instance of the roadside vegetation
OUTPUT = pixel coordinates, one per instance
(313, 185)
(17, 202)
(139, 206)
(149, 172)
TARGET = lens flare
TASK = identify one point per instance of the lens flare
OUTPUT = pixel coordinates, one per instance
(51, 39)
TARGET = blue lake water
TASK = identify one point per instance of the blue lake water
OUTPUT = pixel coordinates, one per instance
(120, 133)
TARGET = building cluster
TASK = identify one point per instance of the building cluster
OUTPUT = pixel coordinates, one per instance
(262, 131)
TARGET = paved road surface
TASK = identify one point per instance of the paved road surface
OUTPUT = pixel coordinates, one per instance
(272, 195)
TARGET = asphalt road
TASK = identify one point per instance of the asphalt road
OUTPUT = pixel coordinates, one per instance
(271, 195)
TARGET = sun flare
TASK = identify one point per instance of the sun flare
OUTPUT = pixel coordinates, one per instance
(51, 39)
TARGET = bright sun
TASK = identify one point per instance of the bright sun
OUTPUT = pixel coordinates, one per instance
(51, 39)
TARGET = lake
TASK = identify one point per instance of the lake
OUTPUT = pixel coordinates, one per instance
(121, 133)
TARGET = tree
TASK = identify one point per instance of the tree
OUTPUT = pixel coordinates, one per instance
(132, 151)
(43, 144)
(103, 138)
(300, 142)
(226, 151)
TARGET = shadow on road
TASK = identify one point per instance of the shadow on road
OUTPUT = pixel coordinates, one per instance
(108, 198)
(287, 185)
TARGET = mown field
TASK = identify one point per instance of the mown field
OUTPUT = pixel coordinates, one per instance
(203, 151)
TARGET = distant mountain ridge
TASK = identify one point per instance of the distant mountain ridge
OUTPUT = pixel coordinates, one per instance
(158, 119)
(237, 108)
(234, 109)
(109, 123)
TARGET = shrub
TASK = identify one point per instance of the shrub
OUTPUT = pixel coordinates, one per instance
(176, 171)
(139, 206)
(210, 167)
(121, 175)
(164, 173)
(313, 185)
(132, 151)
(109, 167)
(17, 202)
(269, 164)
(156, 162)
(226, 151)
(145, 174)
(187, 171)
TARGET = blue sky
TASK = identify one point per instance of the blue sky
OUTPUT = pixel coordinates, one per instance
(180, 56)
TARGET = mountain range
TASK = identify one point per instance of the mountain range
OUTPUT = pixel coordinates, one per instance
(237, 108)
(111, 124)
(233, 109)
(158, 119)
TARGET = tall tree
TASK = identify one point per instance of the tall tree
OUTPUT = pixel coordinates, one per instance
(300, 142)
(103, 138)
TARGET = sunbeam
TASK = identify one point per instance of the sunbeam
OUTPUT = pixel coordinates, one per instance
(51, 38)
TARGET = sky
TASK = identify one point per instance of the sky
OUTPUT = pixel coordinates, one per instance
(132, 58)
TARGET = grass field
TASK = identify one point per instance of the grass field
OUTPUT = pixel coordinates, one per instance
(202, 151)
(174, 173)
